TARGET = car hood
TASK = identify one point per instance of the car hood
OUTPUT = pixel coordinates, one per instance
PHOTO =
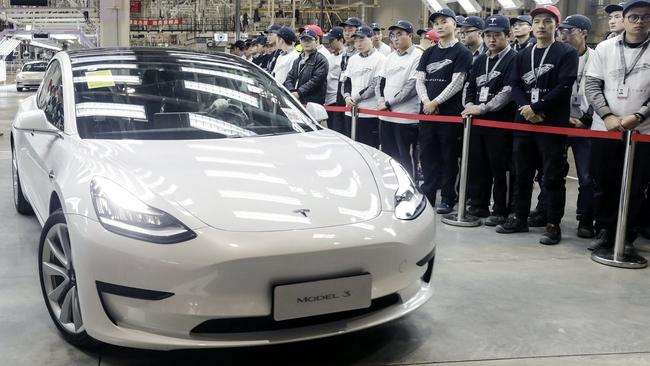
(283, 182)
(33, 75)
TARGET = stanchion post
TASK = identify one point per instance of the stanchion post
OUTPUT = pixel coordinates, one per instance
(460, 218)
(355, 116)
(618, 257)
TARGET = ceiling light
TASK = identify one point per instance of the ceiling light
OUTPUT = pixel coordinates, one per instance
(470, 6)
(435, 5)
(546, 2)
(510, 4)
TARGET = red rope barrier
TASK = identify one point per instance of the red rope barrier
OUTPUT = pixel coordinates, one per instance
(641, 138)
(417, 117)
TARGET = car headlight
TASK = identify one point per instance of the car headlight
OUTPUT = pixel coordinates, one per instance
(120, 212)
(19, 77)
(409, 200)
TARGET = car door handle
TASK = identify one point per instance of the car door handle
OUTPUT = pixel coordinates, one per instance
(51, 174)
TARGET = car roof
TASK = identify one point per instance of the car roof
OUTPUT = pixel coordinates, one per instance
(93, 55)
(36, 62)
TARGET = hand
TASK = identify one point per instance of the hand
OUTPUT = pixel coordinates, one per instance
(527, 112)
(630, 122)
(382, 106)
(431, 107)
(296, 95)
(577, 123)
(349, 102)
(473, 110)
(536, 119)
(613, 123)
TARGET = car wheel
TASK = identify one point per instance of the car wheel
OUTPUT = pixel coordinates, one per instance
(58, 281)
(20, 202)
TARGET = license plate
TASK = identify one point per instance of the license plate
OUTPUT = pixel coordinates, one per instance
(321, 297)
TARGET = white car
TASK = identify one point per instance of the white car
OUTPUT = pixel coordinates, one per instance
(31, 75)
(188, 200)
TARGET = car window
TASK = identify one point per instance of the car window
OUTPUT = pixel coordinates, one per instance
(168, 95)
(35, 67)
(50, 97)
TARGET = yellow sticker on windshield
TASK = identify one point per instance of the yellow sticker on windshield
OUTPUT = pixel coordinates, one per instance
(99, 79)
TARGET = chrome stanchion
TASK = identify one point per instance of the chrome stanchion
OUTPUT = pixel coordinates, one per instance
(460, 218)
(355, 116)
(618, 257)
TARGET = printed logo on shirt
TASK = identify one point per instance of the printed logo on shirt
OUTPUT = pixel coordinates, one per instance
(619, 73)
(529, 77)
(482, 80)
(437, 66)
(395, 70)
(362, 71)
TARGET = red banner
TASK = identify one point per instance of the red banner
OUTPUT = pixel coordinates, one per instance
(136, 6)
(156, 22)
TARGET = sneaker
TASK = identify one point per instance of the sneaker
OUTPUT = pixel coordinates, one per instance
(512, 225)
(586, 229)
(600, 241)
(552, 236)
(495, 220)
(444, 208)
(478, 211)
(537, 220)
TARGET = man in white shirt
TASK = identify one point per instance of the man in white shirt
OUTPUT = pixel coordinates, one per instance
(349, 26)
(335, 44)
(618, 88)
(377, 39)
(397, 93)
(286, 41)
(359, 81)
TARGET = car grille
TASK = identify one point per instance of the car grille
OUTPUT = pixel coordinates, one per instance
(267, 323)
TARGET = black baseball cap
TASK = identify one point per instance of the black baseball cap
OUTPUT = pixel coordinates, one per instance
(635, 4)
(352, 22)
(521, 18)
(497, 24)
(473, 21)
(443, 13)
(260, 40)
(460, 19)
(403, 25)
(376, 27)
(334, 33)
(614, 7)
(576, 21)
(239, 44)
(273, 28)
(421, 31)
(287, 34)
(309, 33)
(364, 31)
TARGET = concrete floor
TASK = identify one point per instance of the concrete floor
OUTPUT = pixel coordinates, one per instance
(500, 301)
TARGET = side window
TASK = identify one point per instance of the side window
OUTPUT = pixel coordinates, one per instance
(50, 99)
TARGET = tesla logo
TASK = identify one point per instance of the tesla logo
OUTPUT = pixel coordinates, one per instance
(302, 211)
(493, 21)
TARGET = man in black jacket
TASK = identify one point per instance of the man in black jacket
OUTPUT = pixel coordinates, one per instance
(542, 82)
(307, 79)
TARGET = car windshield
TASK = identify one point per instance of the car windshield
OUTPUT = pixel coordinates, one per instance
(35, 67)
(151, 94)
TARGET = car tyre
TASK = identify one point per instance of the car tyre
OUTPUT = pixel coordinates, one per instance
(58, 281)
(20, 202)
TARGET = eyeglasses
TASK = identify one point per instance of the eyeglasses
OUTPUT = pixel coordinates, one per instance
(464, 33)
(634, 18)
(396, 35)
(567, 31)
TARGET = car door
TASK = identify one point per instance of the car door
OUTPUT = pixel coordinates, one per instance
(50, 100)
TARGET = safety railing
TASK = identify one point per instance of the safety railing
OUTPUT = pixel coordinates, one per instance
(616, 257)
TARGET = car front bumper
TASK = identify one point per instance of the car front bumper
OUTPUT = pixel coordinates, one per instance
(223, 275)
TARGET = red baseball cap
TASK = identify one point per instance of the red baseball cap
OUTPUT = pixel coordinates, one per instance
(547, 9)
(432, 36)
(315, 28)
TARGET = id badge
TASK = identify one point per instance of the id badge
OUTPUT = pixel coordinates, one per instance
(623, 91)
(534, 95)
(576, 100)
(485, 92)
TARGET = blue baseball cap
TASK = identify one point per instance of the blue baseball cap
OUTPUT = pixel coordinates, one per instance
(635, 4)
(576, 21)
(376, 27)
(287, 34)
(334, 33)
(421, 31)
(260, 40)
(497, 24)
(309, 33)
(403, 25)
(614, 7)
(364, 31)
(473, 21)
(273, 28)
(352, 22)
(521, 18)
(443, 13)
(459, 19)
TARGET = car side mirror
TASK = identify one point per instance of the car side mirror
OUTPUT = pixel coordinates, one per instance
(35, 121)
(317, 112)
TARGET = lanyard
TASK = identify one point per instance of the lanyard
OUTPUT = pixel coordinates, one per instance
(636, 59)
(487, 63)
(581, 75)
(541, 62)
(301, 68)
